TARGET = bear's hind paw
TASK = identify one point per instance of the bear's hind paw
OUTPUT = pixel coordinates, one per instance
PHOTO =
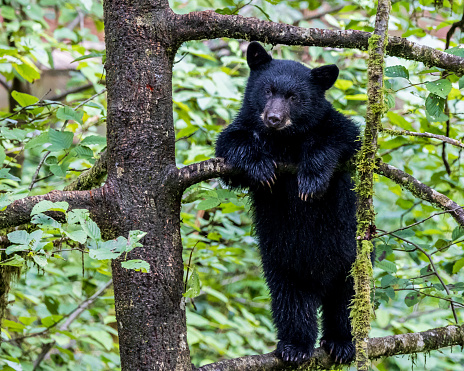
(340, 351)
(293, 353)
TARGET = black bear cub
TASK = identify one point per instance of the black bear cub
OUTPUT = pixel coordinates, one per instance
(305, 222)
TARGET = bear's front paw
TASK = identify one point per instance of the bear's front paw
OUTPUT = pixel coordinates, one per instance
(309, 189)
(288, 352)
(340, 351)
(262, 172)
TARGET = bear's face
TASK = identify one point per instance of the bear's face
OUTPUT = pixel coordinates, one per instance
(285, 96)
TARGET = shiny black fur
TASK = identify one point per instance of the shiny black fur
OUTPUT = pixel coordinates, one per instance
(305, 222)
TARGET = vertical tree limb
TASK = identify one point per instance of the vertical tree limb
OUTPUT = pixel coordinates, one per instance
(362, 268)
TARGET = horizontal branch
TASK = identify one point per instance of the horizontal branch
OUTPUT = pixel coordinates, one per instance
(19, 212)
(91, 178)
(443, 138)
(422, 191)
(378, 347)
(213, 168)
(208, 25)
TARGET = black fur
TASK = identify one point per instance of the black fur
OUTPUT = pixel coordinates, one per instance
(305, 222)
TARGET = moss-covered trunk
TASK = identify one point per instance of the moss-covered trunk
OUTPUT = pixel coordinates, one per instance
(362, 268)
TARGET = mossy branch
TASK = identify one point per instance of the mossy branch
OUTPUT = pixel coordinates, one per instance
(91, 178)
(387, 346)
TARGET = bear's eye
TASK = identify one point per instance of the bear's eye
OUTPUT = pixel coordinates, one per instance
(268, 91)
(293, 98)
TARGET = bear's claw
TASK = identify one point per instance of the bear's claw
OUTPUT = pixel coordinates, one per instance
(293, 353)
(341, 351)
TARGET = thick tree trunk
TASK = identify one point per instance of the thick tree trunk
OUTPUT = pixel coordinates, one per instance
(149, 306)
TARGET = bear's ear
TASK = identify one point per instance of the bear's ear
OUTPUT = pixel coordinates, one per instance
(325, 76)
(257, 55)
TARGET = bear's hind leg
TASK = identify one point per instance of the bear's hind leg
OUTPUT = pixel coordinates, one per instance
(295, 316)
(337, 339)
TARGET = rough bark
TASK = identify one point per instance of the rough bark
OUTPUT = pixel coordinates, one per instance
(377, 347)
(140, 136)
(208, 25)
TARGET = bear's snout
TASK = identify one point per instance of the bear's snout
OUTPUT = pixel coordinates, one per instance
(275, 115)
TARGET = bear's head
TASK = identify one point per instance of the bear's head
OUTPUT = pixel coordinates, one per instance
(285, 96)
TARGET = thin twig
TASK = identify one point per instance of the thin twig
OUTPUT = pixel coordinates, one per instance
(70, 318)
(429, 257)
(443, 138)
(419, 222)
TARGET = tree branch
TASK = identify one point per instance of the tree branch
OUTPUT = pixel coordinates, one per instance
(71, 91)
(443, 138)
(90, 178)
(422, 191)
(71, 317)
(208, 25)
(377, 347)
(19, 212)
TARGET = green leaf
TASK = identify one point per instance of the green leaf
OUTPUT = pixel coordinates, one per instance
(458, 232)
(51, 320)
(458, 265)
(93, 139)
(37, 141)
(440, 87)
(83, 152)
(209, 203)
(27, 72)
(387, 280)
(77, 235)
(92, 229)
(5, 174)
(461, 82)
(137, 265)
(15, 261)
(412, 299)
(2, 155)
(46, 205)
(40, 260)
(24, 99)
(45, 222)
(443, 304)
(18, 237)
(67, 113)
(193, 284)
(87, 56)
(434, 105)
(387, 265)
(60, 139)
(134, 237)
(65, 33)
(456, 51)
(397, 71)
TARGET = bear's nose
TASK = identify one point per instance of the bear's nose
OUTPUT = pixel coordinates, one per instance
(274, 118)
